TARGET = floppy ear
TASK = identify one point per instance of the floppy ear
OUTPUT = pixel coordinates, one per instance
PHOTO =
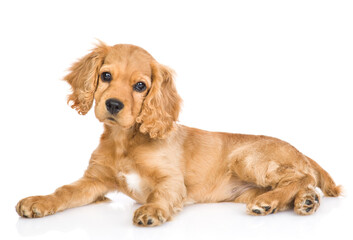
(83, 79)
(161, 107)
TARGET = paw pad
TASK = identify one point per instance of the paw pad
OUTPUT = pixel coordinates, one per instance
(261, 210)
(306, 203)
(257, 211)
(267, 208)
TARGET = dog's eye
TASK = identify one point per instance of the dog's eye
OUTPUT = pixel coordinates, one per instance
(106, 77)
(140, 87)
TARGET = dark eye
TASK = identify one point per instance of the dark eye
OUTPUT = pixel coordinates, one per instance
(106, 77)
(140, 87)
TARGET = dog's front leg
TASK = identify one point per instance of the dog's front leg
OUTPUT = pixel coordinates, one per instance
(165, 200)
(88, 189)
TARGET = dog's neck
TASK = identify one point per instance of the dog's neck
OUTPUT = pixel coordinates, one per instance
(124, 138)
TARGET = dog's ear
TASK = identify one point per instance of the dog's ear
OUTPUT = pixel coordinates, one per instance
(161, 106)
(83, 79)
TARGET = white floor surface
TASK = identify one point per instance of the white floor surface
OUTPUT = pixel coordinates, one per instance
(200, 221)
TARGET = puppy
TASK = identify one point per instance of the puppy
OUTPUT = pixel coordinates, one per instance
(145, 154)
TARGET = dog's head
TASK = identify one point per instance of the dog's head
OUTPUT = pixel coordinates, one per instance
(129, 86)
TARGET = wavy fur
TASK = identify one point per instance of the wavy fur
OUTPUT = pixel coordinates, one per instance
(145, 154)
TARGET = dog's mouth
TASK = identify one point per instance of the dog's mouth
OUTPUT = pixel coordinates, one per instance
(111, 119)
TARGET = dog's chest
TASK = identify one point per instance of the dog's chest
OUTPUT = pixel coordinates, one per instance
(131, 180)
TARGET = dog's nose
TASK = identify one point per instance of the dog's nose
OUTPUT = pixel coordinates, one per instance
(114, 105)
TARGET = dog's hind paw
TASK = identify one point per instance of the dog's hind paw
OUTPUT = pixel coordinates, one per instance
(306, 202)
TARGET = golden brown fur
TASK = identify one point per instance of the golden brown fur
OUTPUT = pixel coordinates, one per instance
(145, 154)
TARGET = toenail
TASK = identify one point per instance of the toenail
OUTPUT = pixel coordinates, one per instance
(257, 211)
(316, 198)
(308, 202)
(308, 209)
(140, 222)
(149, 222)
(273, 211)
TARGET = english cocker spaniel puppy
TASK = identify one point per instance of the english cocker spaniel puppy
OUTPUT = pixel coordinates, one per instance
(144, 153)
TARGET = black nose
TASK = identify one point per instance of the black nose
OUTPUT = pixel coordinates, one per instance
(114, 105)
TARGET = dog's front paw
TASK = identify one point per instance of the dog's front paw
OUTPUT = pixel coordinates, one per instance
(150, 215)
(37, 206)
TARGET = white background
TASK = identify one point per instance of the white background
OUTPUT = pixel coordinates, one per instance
(278, 68)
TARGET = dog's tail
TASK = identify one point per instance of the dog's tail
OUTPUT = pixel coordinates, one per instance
(325, 181)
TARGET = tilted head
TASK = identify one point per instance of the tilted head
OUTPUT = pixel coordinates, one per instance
(130, 88)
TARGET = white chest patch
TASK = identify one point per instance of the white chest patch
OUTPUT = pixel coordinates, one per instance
(133, 181)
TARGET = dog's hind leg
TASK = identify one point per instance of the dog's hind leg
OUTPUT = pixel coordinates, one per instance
(250, 194)
(280, 173)
(282, 197)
